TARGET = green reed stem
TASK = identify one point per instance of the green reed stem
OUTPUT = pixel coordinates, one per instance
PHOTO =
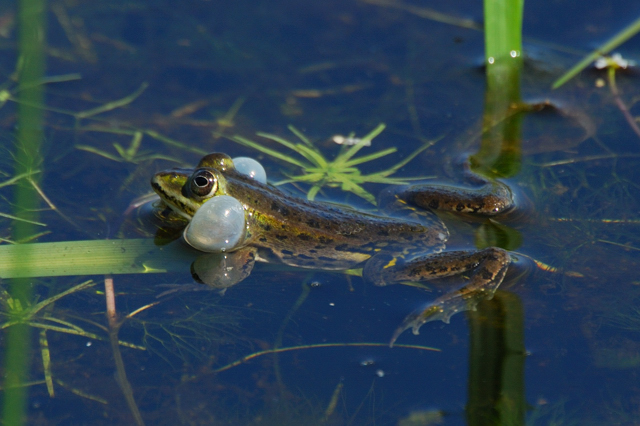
(503, 30)
(499, 153)
(32, 32)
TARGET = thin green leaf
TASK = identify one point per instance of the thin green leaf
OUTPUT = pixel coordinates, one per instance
(411, 156)
(370, 157)
(300, 135)
(375, 132)
(312, 155)
(615, 41)
(12, 217)
(278, 139)
(346, 156)
(268, 151)
(311, 195)
(38, 307)
(172, 142)
(18, 177)
(100, 153)
(114, 104)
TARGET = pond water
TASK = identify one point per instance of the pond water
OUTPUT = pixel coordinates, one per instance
(558, 344)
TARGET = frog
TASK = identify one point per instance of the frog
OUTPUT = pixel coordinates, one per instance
(403, 242)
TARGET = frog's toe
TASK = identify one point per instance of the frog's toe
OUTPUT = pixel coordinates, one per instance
(442, 309)
(433, 312)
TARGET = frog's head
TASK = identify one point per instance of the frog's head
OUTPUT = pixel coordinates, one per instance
(185, 190)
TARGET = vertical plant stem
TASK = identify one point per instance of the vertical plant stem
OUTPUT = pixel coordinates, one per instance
(114, 328)
(32, 32)
(499, 153)
(503, 30)
(611, 72)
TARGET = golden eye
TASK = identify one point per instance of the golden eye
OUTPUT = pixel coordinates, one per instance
(203, 183)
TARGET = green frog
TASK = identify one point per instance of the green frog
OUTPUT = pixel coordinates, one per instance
(404, 243)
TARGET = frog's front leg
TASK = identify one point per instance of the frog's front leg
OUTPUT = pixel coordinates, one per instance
(487, 267)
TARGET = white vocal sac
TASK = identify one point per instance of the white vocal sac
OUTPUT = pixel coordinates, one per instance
(250, 167)
(219, 225)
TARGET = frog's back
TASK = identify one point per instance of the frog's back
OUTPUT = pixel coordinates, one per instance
(303, 233)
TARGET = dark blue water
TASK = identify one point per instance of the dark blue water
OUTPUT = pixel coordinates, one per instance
(332, 68)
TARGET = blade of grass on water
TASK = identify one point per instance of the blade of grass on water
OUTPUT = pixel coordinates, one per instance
(615, 41)
(96, 257)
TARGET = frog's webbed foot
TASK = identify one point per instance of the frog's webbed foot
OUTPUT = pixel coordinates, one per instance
(489, 268)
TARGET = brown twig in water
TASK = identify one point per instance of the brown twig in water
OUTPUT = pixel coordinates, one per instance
(114, 327)
(611, 71)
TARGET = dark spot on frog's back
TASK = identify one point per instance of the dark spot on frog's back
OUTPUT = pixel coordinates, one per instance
(281, 237)
(325, 240)
(304, 237)
(313, 223)
(279, 208)
(287, 252)
(485, 274)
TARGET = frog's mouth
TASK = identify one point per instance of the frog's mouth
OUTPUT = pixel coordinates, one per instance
(172, 196)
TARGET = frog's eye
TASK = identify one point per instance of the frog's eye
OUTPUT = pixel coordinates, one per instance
(203, 183)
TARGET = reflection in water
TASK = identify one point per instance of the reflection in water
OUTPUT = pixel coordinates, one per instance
(496, 362)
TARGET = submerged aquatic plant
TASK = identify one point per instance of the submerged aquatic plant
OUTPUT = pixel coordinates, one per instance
(340, 172)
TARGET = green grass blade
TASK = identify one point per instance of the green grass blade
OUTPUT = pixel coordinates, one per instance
(615, 41)
(114, 104)
(313, 177)
(350, 186)
(404, 162)
(12, 217)
(370, 157)
(16, 178)
(312, 155)
(375, 132)
(273, 153)
(96, 257)
(353, 150)
(366, 140)
(38, 307)
(276, 138)
(300, 135)
(172, 142)
(311, 195)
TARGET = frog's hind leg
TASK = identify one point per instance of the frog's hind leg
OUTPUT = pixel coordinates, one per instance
(487, 267)
(490, 198)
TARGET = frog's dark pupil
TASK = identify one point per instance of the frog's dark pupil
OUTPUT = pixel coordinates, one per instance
(201, 181)
(202, 184)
